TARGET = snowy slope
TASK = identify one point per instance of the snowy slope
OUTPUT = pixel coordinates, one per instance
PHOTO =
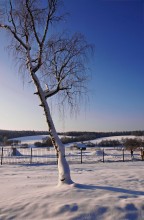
(98, 140)
(30, 139)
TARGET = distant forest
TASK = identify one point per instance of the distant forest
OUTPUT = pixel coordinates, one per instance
(15, 134)
(83, 135)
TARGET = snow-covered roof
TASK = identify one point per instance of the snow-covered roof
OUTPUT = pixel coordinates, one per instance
(80, 145)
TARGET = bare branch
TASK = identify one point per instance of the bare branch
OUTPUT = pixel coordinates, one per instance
(33, 22)
(49, 17)
(11, 15)
(58, 60)
(51, 93)
(15, 35)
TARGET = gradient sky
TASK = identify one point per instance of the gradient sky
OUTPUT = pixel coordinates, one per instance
(116, 89)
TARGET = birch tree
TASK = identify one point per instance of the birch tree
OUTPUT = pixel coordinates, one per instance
(55, 62)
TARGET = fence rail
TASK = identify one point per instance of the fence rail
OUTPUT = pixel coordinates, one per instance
(20, 155)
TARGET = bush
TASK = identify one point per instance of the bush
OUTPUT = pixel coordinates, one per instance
(132, 144)
(46, 143)
(37, 144)
(66, 140)
(109, 143)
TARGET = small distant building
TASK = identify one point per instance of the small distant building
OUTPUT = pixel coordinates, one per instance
(78, 146)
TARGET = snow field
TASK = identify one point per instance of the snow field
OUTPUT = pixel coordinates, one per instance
(113, 190)
(106, 191)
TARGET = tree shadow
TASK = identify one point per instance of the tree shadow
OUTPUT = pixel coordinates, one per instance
(109, 188)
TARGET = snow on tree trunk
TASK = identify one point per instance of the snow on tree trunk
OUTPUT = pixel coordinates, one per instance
(63, 166)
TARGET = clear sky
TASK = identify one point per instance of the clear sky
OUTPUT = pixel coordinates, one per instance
(116, 89)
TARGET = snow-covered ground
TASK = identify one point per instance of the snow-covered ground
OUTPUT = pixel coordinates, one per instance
(105, 191)
(30, 139)
(113, 190)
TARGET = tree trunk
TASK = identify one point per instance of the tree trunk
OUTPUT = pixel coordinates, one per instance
(63, 167)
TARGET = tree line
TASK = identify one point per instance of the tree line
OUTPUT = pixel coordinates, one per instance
(15, 134)
(69, 137)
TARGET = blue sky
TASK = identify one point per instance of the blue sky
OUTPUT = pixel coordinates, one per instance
(116, 89)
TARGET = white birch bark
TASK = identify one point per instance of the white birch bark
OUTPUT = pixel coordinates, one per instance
(63, 166)
(60, 58)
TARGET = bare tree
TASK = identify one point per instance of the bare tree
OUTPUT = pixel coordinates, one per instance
(55, 62)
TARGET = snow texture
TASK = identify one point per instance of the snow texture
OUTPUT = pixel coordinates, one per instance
(104, 191)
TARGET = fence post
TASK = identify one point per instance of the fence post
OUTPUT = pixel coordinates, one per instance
(103, 155)
(57, 158)
(31, 156)
(47, 154)
(123, 155)
(2, 156)
(81, 154)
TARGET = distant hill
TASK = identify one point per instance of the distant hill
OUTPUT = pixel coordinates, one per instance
(15, 134)
(85, 135)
